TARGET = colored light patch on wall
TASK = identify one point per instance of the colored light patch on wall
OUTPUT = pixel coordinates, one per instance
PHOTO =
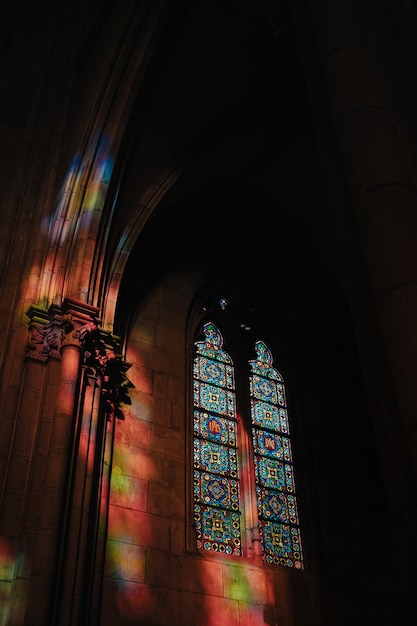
(8, 560)
(129, 532)
(11, 564)
(126, 562)
(96, 163)
(246, 593)
(83, 194)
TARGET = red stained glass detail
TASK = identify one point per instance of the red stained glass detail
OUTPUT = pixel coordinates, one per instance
(269, 443)
(214, 427)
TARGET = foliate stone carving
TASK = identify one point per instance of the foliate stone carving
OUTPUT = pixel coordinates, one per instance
(45, 335)
(74, 329)
(77, 316)
(102, 360)
(51, 331)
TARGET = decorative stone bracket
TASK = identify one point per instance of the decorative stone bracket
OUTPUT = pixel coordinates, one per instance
(46, 334)
(74, 323)
(101, 358)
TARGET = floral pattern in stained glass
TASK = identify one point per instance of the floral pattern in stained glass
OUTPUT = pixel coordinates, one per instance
(281, 544)
(217, 530)
(214, 399)
(211, 457)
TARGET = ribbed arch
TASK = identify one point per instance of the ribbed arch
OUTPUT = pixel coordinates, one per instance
(77, 254)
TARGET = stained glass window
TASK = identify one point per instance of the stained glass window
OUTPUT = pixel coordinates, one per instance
(216, 483)
(274, 472)
(216, 490)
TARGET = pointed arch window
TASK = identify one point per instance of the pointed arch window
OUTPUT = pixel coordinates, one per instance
(218, 503)
(274, 472)
(216, 484)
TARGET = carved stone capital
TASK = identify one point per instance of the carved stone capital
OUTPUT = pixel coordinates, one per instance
(77, 319)
(76, 324)
(45, 334)
(51, 330)
(102, 359)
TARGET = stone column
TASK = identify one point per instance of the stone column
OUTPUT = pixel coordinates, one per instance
(74, 543)
(76, 316)
(383, 197)
(80, 554)
(97, 569)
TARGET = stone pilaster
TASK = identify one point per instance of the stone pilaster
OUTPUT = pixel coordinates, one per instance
(382, 211)
(64, 330)
(91, 387)
(45, 333)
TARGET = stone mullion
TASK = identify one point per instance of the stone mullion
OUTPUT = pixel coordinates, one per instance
(250, 523)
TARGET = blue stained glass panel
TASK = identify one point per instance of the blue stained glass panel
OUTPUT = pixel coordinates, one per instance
(217, 530)
(213, 490)
(277, 505)
(273, 505)
(264, 389)
(270, 472)
(213, 372)
(214, 428)
(214, 399)
(270, 416)
(272, 445)
(265, 415)
(212, 457)
(276, 474)
(212, 346)
(281, 544)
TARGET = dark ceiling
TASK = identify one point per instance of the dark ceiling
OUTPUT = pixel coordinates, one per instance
(225, 109)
